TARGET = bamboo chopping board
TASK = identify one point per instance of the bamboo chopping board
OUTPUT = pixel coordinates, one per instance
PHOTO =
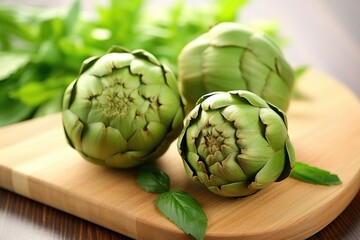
(36, 162)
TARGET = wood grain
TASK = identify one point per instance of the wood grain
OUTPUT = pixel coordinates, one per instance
(36, 162)
(38, 221)
(43, 222)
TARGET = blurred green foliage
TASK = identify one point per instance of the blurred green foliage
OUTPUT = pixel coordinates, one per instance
(41, 49)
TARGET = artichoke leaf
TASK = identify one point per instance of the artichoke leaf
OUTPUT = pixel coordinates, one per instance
(270, 172)
(275, 131)
(102, 142)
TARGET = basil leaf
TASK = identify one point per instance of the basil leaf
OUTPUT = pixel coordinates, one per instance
(72, 17)
(35, 93)
(184, 211)
(12, 111)
(49, 107)
(152, 179)
(11, 62)
(314, 175)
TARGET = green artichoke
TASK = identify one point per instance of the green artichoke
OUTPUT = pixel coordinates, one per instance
(231, 56)
(124, 109)
(236, 143)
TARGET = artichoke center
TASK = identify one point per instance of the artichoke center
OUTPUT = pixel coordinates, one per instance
(212, 140)
(116, 102)
(216, 141)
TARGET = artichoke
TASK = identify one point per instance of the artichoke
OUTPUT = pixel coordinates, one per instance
(124, 109)
(236, 143)
(231, 56)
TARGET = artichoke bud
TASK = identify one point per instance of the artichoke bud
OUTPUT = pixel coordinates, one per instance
(236, 143)
(124, 109)
(231, 56)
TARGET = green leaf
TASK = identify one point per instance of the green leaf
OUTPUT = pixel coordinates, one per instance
(72, 17)
(122, 19)
(12, 111)
(227, 10)
(314, 175)
(50, 27)
(152, 179)
(184, 211)
(50, 107)
(13, 26)
(11, 62)
(49, 53)
(36, 93)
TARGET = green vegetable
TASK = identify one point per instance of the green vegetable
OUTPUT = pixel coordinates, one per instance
(123, 110)
(236, 144)
(178, 206)
(184, 211)
(231, 56)
(314, 175)
(45, 46)
(152, 179)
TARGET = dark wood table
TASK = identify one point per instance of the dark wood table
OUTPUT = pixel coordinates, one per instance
(324, 34)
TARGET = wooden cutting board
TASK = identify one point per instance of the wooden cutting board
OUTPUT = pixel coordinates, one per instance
(324, 126)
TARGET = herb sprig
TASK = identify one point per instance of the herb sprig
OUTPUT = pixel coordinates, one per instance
(178, 206)
(306, 173)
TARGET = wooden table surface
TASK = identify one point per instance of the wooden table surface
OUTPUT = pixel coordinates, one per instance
(333, 49)
(21, 218)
